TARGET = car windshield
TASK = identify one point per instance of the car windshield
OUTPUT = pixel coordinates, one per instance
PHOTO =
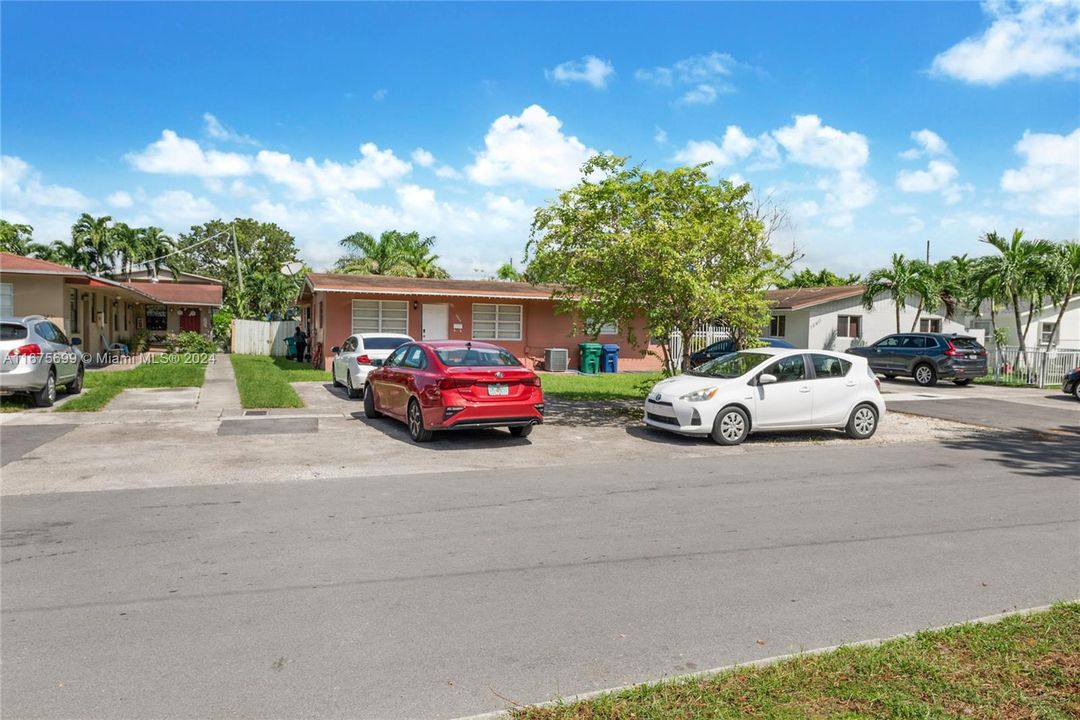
(730, 366)
(476, 357)
(11, 331)
(384, 343)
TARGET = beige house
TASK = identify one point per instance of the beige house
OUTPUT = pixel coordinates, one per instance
(99, 311)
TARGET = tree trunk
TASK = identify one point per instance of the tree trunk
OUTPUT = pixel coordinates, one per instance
(1019, 328)
(684, 363)
(918, 312)
(896, 306)
(1061, 314)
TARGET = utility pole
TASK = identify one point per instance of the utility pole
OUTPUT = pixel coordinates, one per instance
(240, 273)
(927, 252)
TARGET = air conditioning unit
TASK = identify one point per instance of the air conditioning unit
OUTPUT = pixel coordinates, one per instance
(556, 359)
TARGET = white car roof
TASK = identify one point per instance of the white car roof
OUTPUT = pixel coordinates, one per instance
(382, 335)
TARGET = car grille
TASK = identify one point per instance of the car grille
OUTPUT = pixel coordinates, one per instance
(662, 419)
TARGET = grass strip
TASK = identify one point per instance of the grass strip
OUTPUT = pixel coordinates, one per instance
(1025, 666)
(605, 386)
(100, 387)
(263, 382)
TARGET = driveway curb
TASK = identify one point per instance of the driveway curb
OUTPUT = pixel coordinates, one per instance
(763, 662)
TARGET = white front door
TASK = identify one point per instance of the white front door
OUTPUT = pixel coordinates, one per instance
(435, 322)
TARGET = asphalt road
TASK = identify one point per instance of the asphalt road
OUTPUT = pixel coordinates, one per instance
(17, 440)
(440, 595)
(1060, 413)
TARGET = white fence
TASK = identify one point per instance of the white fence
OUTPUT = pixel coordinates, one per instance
(1041, 367)
(255, 337)
(703, 337)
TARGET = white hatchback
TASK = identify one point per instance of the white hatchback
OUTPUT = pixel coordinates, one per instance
(768, 389)
(360, 354)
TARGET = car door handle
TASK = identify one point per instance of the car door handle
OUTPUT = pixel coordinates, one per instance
(850, 383)
(804, 389)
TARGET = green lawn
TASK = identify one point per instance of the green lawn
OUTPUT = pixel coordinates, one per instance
(1022, 667)
(263, 381)
(15, 403)
(99, 387)
(1006, 381)
(605, 386)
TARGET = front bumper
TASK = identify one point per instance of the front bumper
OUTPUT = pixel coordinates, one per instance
(677, 416)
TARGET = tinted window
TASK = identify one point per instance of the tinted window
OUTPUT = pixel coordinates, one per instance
(395, 358)
(383, 343)
(966, 343)
(59, 334)
(730, 366)
(724, 346)
(913, 342)
(476, 357)
(414, 358)
(888, 342)
(45, 330)
(788, 369)
(11, 331)
(826, 366)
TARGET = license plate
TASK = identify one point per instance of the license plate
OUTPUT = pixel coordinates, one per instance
(498, 389)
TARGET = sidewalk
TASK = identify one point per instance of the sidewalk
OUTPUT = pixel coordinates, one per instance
(218, 393)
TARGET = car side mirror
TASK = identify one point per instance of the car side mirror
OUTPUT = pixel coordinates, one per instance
(766, 379)
(336, 350)
(76, 341)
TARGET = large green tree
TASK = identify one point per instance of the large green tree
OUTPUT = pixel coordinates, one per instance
(669, 245)
(1064, 265)
(263, 249)
(392, 253)
(95, 236)
(16, 238)
(1022, 269)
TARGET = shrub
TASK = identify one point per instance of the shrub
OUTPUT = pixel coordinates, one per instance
(222, 326)
(190, 342)
(140, 342)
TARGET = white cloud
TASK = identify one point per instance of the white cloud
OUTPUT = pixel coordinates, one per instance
(927, 142)
(120, 199)
(735, 146)
(1049, 181)
(422, 157)
(179, 209)
(705, 76)
(176, 155)
(21, 186)
(447, 173)
(661, 136)
(216, 130)
(529, 148)
(1033, 39)
(809, 142)
(309, 178)
(590, 70)
(937, 176)
(380, 94)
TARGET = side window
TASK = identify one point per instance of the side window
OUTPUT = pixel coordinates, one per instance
(826, 366)
(45, 330)
(415, 359)
(350, 345)
(912, 343)
(788, 369)
(357, 343)
(59, 335)
(395, 359)
(889, 342)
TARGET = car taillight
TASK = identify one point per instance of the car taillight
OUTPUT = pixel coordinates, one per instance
(28, 350)
(533, 381)
(453, 383)
(363, 360)
(952, 351)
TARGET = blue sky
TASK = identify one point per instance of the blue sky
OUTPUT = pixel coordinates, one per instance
(876, 126)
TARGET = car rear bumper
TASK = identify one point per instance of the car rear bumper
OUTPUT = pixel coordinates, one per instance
(23, 376)
(964, 370)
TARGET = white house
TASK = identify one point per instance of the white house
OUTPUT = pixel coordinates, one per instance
(833, 318)
(1041, 327)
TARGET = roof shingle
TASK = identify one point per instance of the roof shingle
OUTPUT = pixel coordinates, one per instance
(799, 298)
(12, 263)
(383, 284)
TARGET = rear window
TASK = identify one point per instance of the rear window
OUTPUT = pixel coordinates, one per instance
(383, 343)
(826, 366)
(965, 343)
(11, 331)
(476, 357)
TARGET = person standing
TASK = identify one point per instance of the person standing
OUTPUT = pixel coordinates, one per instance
(301, 344)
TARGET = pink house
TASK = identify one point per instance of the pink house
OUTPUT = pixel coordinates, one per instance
(517, 316)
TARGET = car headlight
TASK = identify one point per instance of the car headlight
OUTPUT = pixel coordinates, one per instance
(700, 395)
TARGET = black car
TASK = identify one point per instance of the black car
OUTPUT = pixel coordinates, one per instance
(926, 357)
(724, 347)
(1071, 384)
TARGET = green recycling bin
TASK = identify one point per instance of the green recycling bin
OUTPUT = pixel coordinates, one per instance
(290, 347)
(590, 357)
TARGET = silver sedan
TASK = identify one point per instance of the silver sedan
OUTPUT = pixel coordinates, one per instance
(36, 358)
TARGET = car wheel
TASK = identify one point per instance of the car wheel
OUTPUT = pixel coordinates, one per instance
(962, 382)
(521, 430)
(333, 375)
(75, 386)
(889, 376)
(924, 374)
(369, 404)
(46, 396)
(863, 422)
(1076, 390)
(352, 392)
(417, 431)
(731, 426)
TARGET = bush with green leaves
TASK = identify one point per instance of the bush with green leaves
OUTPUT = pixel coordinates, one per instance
(222, 326)
(190, 343)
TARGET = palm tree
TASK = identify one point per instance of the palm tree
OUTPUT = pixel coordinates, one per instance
(985, 289)
(126, 245)
(902, 279)
(95, 235)
(953, 283)
(394, 253)
(422, 262)
(155, 245)
(1066, 280)
(69, 253)
(16, 238)
(1022, 271)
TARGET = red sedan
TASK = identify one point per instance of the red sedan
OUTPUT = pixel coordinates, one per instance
(452, 385)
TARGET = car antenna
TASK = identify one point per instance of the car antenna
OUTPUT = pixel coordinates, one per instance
(468, 346)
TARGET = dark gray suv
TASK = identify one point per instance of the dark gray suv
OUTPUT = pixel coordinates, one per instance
(926, 357)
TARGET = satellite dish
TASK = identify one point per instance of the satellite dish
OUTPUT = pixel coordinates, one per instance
(291, 268)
